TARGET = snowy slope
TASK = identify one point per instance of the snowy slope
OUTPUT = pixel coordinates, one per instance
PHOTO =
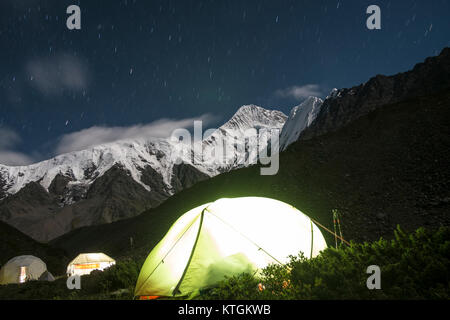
(300, 118)
(235, 137)
(119, 180)
(84, 167)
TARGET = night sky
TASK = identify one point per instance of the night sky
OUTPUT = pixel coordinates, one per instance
(136, 62)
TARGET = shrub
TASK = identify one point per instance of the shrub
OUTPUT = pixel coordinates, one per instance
(413, 266)
(123, 275)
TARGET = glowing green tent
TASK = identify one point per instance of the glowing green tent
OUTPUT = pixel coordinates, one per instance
(225, 238)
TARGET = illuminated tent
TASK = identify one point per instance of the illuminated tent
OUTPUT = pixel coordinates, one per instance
(24, 268)
(225, 238)
(85, 263)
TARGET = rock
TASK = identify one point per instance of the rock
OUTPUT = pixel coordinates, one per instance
(346, 105)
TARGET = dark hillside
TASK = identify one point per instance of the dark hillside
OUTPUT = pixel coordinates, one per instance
(15, 243)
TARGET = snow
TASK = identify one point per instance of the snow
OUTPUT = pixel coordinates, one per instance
(335, 93)
(233, 135)
(130, 154)
(299, 119)
(85, 166)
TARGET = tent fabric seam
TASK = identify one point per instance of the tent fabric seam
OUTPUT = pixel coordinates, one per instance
(174, 292)
(168, 252)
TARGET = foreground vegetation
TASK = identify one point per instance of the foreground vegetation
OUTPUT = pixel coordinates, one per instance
(413, 266)
(116, 282)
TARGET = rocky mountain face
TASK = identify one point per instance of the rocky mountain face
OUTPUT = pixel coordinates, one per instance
(2, 187)
(115, 181)
(345, 105)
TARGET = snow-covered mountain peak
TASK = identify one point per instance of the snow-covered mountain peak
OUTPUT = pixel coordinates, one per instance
(252, 116)
(310, 101)
(85, 166)
(334, 93)
(116, 180)
(299, 119)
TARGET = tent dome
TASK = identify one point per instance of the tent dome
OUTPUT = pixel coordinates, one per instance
(85, 263)
(225, 238)
(21, 269)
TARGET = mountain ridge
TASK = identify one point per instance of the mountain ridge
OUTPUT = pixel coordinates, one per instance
(113, 181)
(345, 105)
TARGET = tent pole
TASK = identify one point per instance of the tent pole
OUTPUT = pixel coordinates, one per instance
(328, 230)
(176, 290)
(312, 238)
(162, 260)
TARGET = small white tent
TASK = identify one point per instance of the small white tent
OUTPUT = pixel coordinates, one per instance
(85, 263)
(24, 268)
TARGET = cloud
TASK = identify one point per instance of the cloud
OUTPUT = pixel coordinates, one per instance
(8, 140)
(11, 158)
(93, 136)
(99, 135)
(300, 92)
(52, 76)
